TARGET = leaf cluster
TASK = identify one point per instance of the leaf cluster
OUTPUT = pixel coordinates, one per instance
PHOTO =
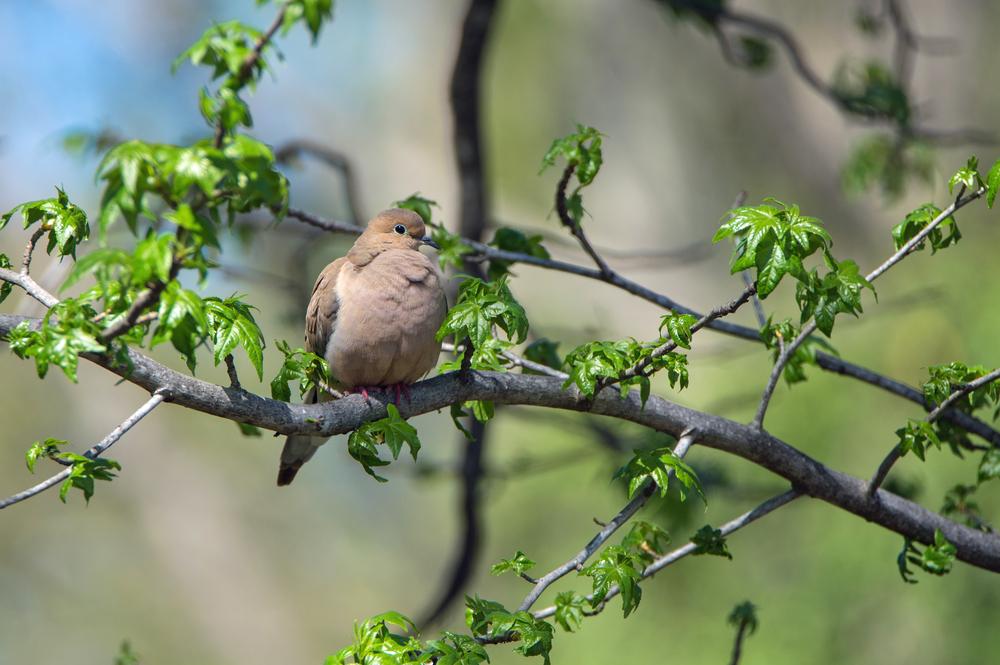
(582, 152)
(64, 222)
(481, 308)
(590, 365)
(84, 470)
(512, 240)
(490, 619)
(936, 559)
(654, 466)
(310, 370)
(392, 431)
(776, 335)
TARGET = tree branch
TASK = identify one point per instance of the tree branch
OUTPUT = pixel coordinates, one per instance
(344, 415)
(105, 443)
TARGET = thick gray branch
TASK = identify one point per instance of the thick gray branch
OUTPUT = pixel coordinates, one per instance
(806, 474)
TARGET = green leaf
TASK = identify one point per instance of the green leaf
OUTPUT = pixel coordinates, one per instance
(917, 436)
(569, 610)
(5, 287)
(312, 12)
(39, 449)
(420, 205)
(231, 324)
(224, 48)
(582, 149)
(678, 328)
(616, 566)
(646, 541)
(66, 331)
(655, 465)
(543, 352)
(517, 564)
(887, 161)
(943, 235)
(773, 238)
(299, 365)
(479, 308)
(744, 614)
(938, 558)
(65, 223)
(594, 361)
(869, 89)
(959, 505)
(83, 473)
(967, 176)
(989, 466)
(709, 540)
(512, 240)
(992, 183)
(837, 292)
(393, 431)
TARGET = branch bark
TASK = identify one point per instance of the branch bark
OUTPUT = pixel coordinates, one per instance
(344, 415)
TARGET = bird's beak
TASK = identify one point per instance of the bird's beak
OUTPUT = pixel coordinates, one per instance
(427, 240)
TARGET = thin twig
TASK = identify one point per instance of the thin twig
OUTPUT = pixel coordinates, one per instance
(30, 286)
(896, 257)
(639, 369)
(887, 463)
(234, 379)
(574, 226)
(29, 249)
(246, 69)
(676, 555)
(97, 450)
(336, 160)
(623, 516)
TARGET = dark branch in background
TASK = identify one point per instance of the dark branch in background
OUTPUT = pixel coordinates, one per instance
(105, 443)
(806, 474)
(718, 16)
(466, 95)
(896, 452)
(825, 361)
(291, 151)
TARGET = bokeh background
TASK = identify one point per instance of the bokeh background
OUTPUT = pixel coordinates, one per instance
(194, 555)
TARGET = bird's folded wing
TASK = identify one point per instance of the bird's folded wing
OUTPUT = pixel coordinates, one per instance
(321, 315)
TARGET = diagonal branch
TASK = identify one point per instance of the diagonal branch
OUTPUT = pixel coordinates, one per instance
(105, 443)
(624, 515)
(896, 257)
(897, 452)
(676, 555)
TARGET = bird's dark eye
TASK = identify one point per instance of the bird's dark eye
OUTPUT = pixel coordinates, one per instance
(400, 229)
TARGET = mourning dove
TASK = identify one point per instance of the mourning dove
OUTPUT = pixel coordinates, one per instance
(373, 316)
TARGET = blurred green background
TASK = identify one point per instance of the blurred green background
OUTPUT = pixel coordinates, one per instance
(195, 556)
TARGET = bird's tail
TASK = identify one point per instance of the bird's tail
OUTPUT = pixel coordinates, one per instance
(299, 449)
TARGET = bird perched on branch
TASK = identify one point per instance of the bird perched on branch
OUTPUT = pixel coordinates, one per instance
(373, 316)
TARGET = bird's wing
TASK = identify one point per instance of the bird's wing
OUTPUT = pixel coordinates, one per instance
(321, 315)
